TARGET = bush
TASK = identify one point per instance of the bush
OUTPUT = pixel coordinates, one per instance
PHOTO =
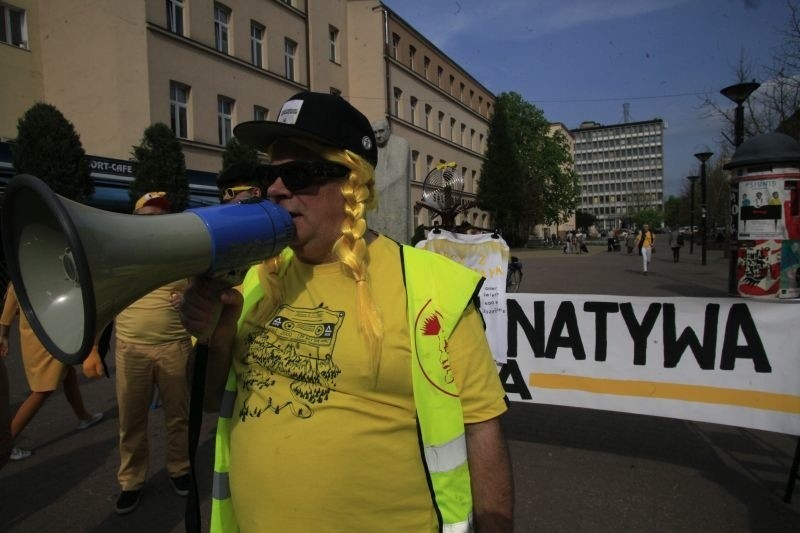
(48, 147)
(159, 165)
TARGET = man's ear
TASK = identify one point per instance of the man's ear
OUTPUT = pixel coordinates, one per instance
(257, 192)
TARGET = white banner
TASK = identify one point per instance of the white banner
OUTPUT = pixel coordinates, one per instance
(488, 256)
(724, 360)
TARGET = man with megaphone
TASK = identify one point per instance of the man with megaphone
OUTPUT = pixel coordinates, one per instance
(355, 385)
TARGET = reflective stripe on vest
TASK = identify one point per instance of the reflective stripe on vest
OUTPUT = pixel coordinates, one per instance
(223, 519)
(436, 301)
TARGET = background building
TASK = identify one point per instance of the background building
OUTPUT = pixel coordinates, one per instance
(203, 66)
(621, 169)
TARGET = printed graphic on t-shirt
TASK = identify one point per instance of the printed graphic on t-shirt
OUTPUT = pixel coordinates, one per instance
(297, 343)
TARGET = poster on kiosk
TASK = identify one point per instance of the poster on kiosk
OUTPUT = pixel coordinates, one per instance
(769, 237)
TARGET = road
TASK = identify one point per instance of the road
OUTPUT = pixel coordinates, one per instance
(574, 469)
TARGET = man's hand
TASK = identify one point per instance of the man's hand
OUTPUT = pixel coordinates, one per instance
(211, 313)
(93, 364)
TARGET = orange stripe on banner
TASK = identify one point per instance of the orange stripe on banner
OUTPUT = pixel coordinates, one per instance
(785, 403)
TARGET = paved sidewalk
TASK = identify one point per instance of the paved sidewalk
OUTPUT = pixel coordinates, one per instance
(575, 469)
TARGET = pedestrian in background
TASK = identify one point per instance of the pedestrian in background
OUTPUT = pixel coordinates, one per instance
(239, 182)
(152, 349)
(43, 372)
(675, 242)
(646, 242)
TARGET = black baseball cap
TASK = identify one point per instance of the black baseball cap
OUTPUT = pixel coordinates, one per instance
(240, 172)
(324, 118)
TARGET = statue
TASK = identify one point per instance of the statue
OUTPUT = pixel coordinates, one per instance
(392, 217)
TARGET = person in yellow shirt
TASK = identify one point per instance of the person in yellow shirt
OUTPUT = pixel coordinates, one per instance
(152, 349)
(646, 241)
(337, 352)
(43, 372)
(239, 182)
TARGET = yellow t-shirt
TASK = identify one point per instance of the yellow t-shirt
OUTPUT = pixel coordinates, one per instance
(151, 319)
(316, 445)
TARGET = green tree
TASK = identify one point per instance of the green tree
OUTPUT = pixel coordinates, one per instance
(584, 219)
(527, 177)
(48, 147)
(649, 215)
(561, 186)
(159, 165)
(236, 152)
(501, 176)
(673, 208)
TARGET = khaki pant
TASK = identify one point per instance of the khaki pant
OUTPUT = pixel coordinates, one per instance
(140, 367)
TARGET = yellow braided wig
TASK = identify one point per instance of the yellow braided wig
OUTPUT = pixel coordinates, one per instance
(351, 249)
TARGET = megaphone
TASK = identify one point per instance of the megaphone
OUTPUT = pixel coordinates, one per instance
(74, 267)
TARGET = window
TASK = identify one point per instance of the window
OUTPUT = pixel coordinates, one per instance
(412, 52)
(439, 73)
(221, 16)
(440, 124)
(13, 29)
(472, 139)
(428, 110)
(257, 44)
(398, 94)
(260, 113)
(452, 129)
(175, 16)
(463, 139)
(426, 66)
(461, 92)
(289, 53)
(413, 109)
(333, 41)
(452, 84)
(415, 165)
(178, 109)
(224, 114)
(429, 163)
(395, 44)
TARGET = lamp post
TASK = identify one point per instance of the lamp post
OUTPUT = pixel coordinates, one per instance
(703, 157)
(738, 94)
(691, 179)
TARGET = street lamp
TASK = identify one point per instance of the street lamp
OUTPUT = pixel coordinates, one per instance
(691, 179)
(738, 94)
(703, 157)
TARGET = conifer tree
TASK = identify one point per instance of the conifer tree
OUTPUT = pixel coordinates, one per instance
(48, 147)
(159, 165)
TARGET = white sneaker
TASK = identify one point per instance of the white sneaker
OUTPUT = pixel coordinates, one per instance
(89, 422)
(18, 454)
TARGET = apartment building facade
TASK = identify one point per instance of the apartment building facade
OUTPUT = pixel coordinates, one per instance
(203, 67)
(621, 169)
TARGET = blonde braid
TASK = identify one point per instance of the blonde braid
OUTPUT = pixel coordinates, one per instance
(351, 249)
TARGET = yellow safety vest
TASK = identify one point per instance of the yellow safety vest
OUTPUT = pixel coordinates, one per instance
(436, 301)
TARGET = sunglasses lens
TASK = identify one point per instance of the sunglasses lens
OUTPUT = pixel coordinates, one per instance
(298, 175)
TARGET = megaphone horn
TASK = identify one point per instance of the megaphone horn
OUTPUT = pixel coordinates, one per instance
(74, 267)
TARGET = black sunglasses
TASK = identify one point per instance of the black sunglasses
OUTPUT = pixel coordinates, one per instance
(297, 175)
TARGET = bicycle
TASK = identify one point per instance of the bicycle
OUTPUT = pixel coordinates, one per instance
(513, 275)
